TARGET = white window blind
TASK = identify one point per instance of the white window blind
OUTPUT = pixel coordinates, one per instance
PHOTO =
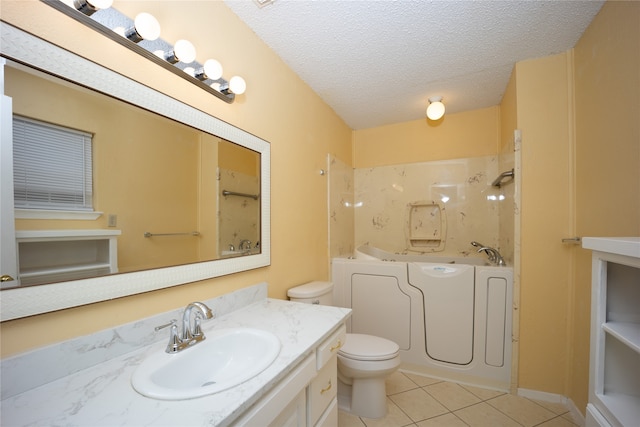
(52, 166)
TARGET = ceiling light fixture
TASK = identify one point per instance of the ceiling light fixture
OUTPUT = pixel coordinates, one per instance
(145, 27)
(142, 36)
(183, 51)
(435, 110)
(237, 85)
(212, 69)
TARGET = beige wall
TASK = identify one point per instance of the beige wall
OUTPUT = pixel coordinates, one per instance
(544, 116)
(607, 67)
(469, 134)
(277, 107)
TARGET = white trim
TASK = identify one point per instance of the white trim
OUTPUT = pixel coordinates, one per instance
(576, 414)
(55, 214)
(542, 396)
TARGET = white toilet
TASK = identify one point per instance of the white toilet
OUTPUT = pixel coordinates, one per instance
(364, 361)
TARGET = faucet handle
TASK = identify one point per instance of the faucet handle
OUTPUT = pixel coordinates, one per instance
(172, 322)
(174, 340)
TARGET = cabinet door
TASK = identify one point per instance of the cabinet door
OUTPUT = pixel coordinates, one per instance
(294, 415)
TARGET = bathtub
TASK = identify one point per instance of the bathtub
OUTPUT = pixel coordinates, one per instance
(451, 316)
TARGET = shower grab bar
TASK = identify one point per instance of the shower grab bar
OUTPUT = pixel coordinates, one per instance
(498, 181)
(233, 193)
(192, 233)
(573, 240)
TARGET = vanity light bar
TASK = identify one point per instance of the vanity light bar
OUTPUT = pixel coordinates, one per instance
(113, 24)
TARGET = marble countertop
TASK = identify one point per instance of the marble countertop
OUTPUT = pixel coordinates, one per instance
(101, 395)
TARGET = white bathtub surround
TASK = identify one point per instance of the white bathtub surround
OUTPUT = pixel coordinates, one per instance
(91, 384)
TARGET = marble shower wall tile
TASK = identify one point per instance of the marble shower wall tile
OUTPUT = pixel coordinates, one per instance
(238, 217)
(463, 186)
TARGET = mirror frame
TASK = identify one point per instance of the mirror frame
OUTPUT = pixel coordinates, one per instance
(37, 53)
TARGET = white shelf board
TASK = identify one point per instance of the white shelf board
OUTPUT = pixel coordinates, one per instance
(627, 333)
(45, 271)
(624, 407)
(629, 246)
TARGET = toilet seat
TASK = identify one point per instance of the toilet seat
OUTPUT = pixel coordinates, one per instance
(368, 347)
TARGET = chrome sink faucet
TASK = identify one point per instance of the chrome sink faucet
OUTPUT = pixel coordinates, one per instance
(245, 245)
(191, 334)
(492, 253)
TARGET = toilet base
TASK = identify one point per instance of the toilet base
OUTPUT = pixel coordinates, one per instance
(365, 397)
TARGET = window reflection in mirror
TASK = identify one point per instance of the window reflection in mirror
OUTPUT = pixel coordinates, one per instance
(150, 175)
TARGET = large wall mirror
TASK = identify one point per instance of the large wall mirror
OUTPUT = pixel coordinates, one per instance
(177, 195)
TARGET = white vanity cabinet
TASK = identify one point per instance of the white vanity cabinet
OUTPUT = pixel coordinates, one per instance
(323, 403)
(306, 396)
(56, 255)
(614, 374)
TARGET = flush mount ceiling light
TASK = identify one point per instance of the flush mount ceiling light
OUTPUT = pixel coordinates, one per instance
(142, 36)
(435, 110)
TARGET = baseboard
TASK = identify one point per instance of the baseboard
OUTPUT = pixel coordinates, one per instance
(576, 414)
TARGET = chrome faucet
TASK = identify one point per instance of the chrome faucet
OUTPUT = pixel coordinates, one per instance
(492, 253)
(191, 334)
(245, 245)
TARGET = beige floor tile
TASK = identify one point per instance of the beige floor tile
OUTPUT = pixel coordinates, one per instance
(421, 380)
(483, 393)
(418, 404)
(446, 420)
(484, 415)
(557, 422)
(398, 382)
(347, 420)
(452, 395)
(569, 417)
(394, 418)
(556, 408)
(522, 410)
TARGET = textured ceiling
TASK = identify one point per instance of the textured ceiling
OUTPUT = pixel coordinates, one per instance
(378, 62)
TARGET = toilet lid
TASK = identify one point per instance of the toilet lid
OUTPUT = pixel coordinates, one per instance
(368, 347)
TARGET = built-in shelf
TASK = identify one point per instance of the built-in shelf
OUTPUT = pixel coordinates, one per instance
(614, 374)
(46, 256)
(627, 333)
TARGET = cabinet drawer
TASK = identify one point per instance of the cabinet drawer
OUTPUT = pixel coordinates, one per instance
(330, 346)
(323, 389)
(330, 416)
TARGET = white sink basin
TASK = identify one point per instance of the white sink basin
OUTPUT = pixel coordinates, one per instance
(226, 358)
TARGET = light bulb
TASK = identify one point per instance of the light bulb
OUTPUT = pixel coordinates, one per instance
(90, 7)
(184, 51)
(237, 85)
(145, 27)
(101, 4)
(436, 109)
(212, 69)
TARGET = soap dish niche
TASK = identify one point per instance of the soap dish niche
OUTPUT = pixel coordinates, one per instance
(427, 226)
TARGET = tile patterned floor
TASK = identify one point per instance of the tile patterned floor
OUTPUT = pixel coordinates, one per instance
(419, 401)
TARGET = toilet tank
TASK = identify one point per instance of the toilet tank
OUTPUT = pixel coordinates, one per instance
(312, 293)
